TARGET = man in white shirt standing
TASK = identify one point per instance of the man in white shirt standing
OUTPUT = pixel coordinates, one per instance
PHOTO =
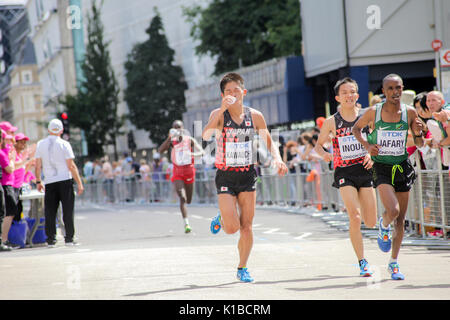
(56, 159)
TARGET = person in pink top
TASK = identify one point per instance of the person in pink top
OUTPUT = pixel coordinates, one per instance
(29, 176)
(22, 165)
(9, 129)
(8, 206)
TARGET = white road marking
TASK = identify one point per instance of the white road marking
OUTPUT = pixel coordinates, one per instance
(306, 234)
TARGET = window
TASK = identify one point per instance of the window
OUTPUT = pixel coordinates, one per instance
(27, 77)
(49, 48)
(39, 8)
(52, 78)
(28, 105)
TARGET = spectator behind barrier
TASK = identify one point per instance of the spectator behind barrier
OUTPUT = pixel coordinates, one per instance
(440, 131)
(314, 175)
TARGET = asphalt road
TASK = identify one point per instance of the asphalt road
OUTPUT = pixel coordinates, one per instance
(141, 252)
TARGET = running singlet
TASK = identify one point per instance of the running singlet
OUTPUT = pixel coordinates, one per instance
(347, 151)
(391, 137)
(235, 144)
(182, 152)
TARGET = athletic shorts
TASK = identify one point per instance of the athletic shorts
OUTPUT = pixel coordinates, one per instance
(356, 176)
(401, 178)
(185, 174)
(10, 201)
(234, 182)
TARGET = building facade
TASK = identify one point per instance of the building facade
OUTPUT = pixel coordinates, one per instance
(14, 28)
(13, 32)
(52, 39)
(368, 39)
(125, 25)
(25, 95)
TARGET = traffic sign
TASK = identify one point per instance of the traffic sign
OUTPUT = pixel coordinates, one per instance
(445, 58)
(436, 44)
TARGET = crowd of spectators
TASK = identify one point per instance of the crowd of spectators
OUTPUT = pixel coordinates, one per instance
(131, 180)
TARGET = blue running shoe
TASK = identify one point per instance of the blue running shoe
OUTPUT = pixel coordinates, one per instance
(364, 269)
(215, 224)
(244, 276)
(384, 237)
(394, 270)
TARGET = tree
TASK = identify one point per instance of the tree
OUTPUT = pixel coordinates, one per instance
(155, 86)
(245, 32)
(94, 107)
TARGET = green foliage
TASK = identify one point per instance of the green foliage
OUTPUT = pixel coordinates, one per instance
(245, 31)
(94, 107)
(155, 90)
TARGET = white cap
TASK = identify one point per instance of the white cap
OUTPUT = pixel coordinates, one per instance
(55, 126)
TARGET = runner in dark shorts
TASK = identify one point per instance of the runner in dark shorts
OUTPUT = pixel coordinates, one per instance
(352, 167)
(393, 173)
(235, 126)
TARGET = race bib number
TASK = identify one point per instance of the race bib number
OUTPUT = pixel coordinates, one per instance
(350, 148)
(392, 143)
(183, 155)
(238, 154)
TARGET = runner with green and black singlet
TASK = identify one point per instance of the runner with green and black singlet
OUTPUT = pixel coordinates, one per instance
(392, 157)
(393, 174)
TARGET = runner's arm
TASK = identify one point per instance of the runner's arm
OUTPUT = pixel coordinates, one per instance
(416, 126)
(215, 122)
(263, 132)
(197, 147)
(165, 145)
(327, 128)
(366, 118)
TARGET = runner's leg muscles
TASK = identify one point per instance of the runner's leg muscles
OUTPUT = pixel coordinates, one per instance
(181, 192)
(246, 202)
(390, 203)
(189, 192)
(368, 201)
(228, 211)
(349, 195)
(399, 223)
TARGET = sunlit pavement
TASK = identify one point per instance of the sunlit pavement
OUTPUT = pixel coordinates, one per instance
(141, 252)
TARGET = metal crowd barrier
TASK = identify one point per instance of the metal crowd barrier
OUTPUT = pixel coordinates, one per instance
(429, 202)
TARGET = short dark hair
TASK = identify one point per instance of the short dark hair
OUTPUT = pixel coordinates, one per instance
(339, 83)
(230, 77)
(422, 99)
(391, 76)
(177, 123)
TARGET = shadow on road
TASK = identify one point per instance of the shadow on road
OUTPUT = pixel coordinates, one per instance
(224, 285)
(185, 288)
